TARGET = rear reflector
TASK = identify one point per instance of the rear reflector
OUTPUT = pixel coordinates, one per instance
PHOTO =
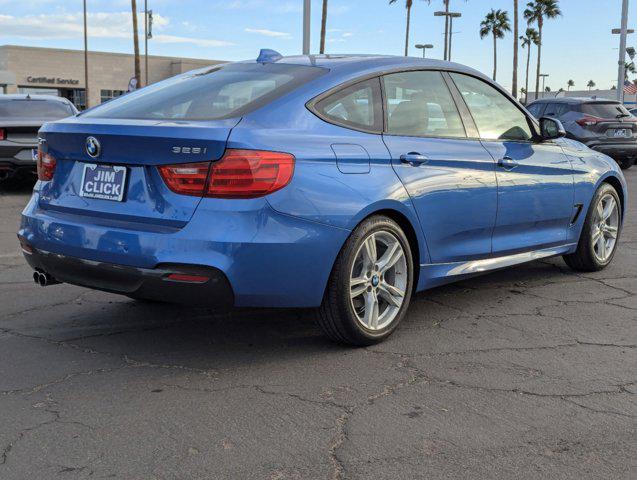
(239, 174)
(3, 134)
(187, 278)
(46, 165)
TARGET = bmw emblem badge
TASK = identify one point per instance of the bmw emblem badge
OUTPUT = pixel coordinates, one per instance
(93, 147)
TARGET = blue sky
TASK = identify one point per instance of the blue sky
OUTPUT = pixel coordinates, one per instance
(578, 45)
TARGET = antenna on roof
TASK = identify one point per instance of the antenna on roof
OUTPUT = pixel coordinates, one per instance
(267, 55)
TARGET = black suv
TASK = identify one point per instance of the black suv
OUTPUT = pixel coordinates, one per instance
(21, 116)
(603, 125)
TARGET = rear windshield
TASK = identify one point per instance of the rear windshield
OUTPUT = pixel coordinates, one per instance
(219, 92)
(604, 110)
(35, 109)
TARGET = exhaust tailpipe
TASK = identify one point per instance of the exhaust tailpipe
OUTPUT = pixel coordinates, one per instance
(44, 279)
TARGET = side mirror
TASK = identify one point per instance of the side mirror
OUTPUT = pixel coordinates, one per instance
(551, 128)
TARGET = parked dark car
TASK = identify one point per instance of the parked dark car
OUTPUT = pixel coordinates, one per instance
(603, 125)
(21, 116)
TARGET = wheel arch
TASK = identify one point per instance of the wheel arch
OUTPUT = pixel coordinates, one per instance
(617, 185)
(413, 232)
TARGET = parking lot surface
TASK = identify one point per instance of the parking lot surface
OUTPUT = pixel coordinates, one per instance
(529, 373)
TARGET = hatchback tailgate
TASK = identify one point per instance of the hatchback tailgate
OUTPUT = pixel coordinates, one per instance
(139, 147)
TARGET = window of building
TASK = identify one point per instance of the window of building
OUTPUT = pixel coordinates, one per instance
(357, 106)
(420, 104)
(39, 91)
(106, 95)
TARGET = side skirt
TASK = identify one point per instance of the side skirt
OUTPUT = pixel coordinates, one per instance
(436, 274)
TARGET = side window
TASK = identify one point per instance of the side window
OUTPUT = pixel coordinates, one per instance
(551, 110)
(536, 109)
(562, 109)
(420, 104)
(357, 106)
(496, 117)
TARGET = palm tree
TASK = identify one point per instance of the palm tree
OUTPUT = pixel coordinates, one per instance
(323, 26)
(408, 5)
(530, 38)
(514, 83)
(629, 68)
(536, 12)
(590, 84)
(496, 23)
(570, 84)
(138, 74)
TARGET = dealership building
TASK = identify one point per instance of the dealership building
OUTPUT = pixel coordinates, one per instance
(60, 72)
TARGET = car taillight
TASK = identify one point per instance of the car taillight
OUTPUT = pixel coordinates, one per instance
(239, 174)
(46, 165)
(3, 134)
(186, 178)
(588, 121)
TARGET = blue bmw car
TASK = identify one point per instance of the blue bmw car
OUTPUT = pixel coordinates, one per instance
(345, 183)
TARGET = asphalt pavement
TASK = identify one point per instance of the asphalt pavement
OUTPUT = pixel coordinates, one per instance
(528, 373)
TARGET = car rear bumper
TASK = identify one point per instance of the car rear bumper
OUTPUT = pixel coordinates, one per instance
(615, 150)
(188, 284)
(16, 157)
(269, 259)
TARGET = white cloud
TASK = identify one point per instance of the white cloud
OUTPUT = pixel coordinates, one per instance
(100, 25)
(200, 42)
(268, 33)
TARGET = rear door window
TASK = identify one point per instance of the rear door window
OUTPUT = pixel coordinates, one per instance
(219, 92)
(358, 107)
(419, 104)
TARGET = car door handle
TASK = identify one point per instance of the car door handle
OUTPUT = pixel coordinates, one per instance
(507, 163)
(414, 159)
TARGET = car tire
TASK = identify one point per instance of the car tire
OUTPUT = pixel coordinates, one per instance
(625, 163)
(365, 301)
(591, 255)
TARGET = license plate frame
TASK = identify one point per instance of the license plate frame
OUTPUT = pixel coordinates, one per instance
(110, 185)
(621, 133)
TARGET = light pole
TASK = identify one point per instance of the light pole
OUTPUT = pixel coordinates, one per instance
(307, 9)
(543, 75)
(85, 60)
(621, 70)
(424, 47)
(452, 15)
(145, 42)
(449, 16)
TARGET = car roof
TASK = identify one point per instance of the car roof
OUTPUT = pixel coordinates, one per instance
(367, 64)
(338, 62)
(574, 100)
(38, 97)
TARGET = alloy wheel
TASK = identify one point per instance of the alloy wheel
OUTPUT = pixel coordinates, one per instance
(378, 280)
(605, 228)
